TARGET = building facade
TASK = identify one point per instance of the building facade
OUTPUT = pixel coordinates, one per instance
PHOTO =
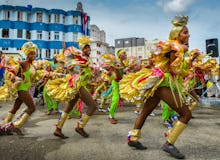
(46, 28)
(138, 47)
(98, 44)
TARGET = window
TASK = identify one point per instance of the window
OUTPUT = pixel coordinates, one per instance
(118, 42)
(75, 19)
(39, 17)
(56, 51)
(18, 49)
(56, 36)
(63, 19)
(19, 33)
(63, 36)
(139, 49)
(57, 18)
(48, 53)
(28, 35)
(39, 34)
(75, 36)
(5, 33)
(6, 15)
(98, 45)
(49, 19)
(39, 53)
(126, 42)
(19, 16)
(29, 17)
(49, 36)
(4, 49)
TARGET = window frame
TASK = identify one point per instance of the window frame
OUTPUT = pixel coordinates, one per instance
(56, 18)
(39, 17)
(75, 20)
(4, 29)
(19, 15)
(57, 35)
(6, 15)
(19, 33)
(39, 35)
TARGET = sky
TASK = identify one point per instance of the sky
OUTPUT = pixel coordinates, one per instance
(149, 19)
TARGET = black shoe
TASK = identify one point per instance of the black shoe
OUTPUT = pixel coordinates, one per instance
(137, 145)
(81, 132)
(174, 152)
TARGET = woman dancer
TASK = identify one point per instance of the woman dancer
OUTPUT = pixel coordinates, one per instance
(27, 73)
(71, 88)
(161, 83)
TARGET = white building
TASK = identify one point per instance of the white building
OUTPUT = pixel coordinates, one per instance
(46, 28)
(98, 44)
(138, 47)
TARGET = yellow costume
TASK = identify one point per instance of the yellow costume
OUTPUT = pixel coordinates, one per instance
(9, 90)
(138, 87)
(168, 71)
(65, 89)
(22, 85)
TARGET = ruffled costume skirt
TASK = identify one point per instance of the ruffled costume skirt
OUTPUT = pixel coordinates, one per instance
(8, 92)
(64, 89)
(138, 87)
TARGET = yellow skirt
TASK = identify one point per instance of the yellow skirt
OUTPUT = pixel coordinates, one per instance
(138, 87)
(9, 92)
(64, 89)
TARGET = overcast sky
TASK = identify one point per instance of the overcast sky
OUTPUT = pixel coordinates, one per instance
(143, 18)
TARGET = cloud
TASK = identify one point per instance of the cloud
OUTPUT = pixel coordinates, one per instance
(176, 6)
(143, 18)
(131, 20)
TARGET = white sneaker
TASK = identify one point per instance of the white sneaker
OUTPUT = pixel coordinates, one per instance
(152, 114)
(39, 95)
(136, 112)
(100, 109)
(104, 110)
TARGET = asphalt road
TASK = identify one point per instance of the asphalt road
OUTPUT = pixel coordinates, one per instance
(199, 141)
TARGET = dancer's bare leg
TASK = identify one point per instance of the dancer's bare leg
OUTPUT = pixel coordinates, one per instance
(91, 107)
(68, 108)
(88, 100)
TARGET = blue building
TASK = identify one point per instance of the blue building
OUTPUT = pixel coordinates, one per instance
(47, 28)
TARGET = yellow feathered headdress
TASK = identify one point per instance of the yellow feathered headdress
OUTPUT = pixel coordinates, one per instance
(179, 22)
(120, 52)
(83, 41)
(28, 47)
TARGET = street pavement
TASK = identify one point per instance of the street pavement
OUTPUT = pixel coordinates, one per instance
(199, 141)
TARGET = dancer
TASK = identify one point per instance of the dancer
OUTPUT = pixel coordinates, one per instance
(51, 104)
(115, 69)
(71, 88)
(27, 73)
(102, 90)
(161, 83)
